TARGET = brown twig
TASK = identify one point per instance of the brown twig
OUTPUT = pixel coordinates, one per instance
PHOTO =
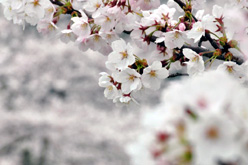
(177, 75)
(69, 10)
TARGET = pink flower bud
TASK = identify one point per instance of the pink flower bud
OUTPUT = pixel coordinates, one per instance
(182, 27)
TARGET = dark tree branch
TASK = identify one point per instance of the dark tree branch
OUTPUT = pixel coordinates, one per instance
(56, 2)
(69, 10)
(177, 75)
(212, 42)
(198, 50)
(180, 3)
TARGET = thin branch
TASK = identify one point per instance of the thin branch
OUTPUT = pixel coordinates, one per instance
(177, 75)
(212, 42)
(56, 2)
(180, 3)
(69, 10)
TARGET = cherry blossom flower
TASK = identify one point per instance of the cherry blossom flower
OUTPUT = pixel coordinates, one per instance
(213, 137)
(152, 76)
(233, 69)
(93, 5)
(46, 27)
(206, 22)
(96, 42)
(173, 39)
(195, 64)
(195, 126)
(110, 91)
(122, 54)
(81, 26)
(145, 4)
(35, 10)
(129, 79)
(67, 35)
(105, 19)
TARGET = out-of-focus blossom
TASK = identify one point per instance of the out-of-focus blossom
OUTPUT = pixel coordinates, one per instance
(190, 125)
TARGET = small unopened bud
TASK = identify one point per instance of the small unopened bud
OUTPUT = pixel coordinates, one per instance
(217, 52)
(182, 27)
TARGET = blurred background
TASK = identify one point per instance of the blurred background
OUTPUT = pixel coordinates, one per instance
(52, 110)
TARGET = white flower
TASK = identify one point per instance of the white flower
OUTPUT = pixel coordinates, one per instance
(217, 11)
(93, 5)
(195, 64)
(129, 79)
(152, 75)
(126, 100)
(96, 42)
(197, 31)
(213, 138)
(198, 119)
(173, 39)
(82, 43)
(67, 35)
(206, 23)
(45, 27)
(35, 11)
(145, 4)
(110, 91)
(234, 69)
(126, 22)
(105, 19)
(122, 54)
(81, 26)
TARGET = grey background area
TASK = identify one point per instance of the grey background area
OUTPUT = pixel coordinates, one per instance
(52, 111)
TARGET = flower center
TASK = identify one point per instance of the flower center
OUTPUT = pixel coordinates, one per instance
(83, 26)
(176, 35)
(110, 88)
(124, 54)
(199, 29)
(147, 1)
(131, 77)
(108, 19)
(36, 2)
(153, 73)
(97, 5)
(212, 133)
(96, 38)
(195, 59)
(229, 69)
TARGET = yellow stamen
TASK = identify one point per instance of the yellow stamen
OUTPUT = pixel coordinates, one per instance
(212, 133)
(124, 54)
(131, 77)
(229, 69)
(110, 88)
(36, 2)
(153, 73)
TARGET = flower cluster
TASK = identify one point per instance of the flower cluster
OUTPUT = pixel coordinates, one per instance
(181, 41)
(30, 11)
(130, 74)
(197, 123)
